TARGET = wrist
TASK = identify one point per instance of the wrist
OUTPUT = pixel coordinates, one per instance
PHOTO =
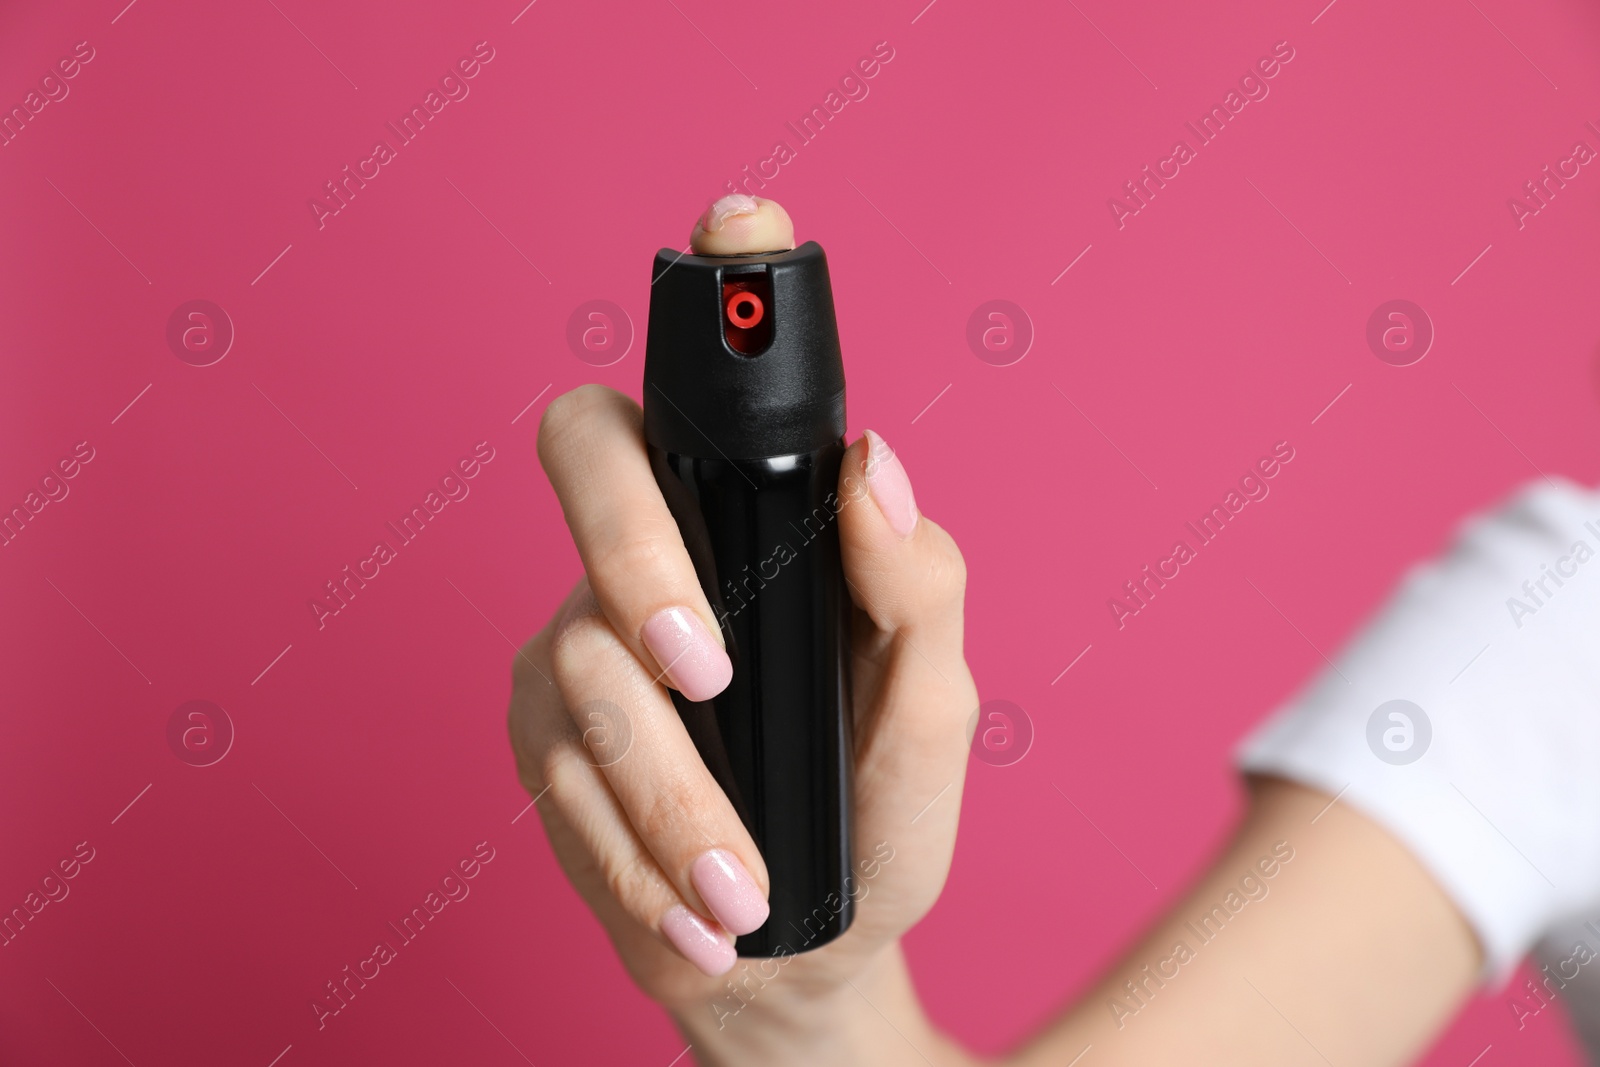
(774, 1014)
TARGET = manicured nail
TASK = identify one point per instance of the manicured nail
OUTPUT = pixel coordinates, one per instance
(890, 486)
(689, 655)
(729, 891)
(700, 942)
(726, 208)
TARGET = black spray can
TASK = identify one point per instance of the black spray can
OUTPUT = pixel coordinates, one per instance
(744, 417)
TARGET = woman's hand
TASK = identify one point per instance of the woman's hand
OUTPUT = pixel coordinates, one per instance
(637, 821)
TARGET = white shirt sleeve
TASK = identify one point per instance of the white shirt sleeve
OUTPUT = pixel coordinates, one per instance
(1489, 772)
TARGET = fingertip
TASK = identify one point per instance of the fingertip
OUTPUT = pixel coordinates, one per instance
(737, 224)
(729, 891)
(698, 941)
(904, 570)
(690, 653)
(890, 486)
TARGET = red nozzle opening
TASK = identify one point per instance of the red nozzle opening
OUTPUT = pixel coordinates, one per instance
(746, 323)
(745, 310)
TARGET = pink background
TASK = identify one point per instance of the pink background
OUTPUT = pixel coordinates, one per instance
(408, 329)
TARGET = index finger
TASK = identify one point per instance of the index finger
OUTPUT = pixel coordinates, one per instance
(591, 443)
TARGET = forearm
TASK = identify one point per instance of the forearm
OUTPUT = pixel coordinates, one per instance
(873, 1019)
(1259, 970)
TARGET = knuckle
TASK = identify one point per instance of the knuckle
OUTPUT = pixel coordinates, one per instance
(631, 881)
(558, 768)
(657, 819)
(947, 571)
(529, 773)
(539, 731)
(577, 642)
(635, 555)
(677, 809)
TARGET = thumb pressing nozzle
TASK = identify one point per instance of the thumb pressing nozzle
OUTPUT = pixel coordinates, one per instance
(739, 225)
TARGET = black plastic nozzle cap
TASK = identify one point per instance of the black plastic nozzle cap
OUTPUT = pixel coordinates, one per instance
(703, 398)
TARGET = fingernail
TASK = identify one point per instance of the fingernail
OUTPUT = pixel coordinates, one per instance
(689, 655)
(890, 486)
(726, 208)
(699, 941)
(729, 891)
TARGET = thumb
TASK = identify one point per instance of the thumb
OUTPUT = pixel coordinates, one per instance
(741, 225)
(904, 571)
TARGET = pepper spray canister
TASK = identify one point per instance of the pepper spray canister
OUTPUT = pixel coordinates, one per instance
(744, 418)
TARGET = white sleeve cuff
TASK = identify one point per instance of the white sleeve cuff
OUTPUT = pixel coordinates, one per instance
(1498, 645)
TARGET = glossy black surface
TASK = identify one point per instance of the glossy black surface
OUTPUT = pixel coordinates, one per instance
(764, 537)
